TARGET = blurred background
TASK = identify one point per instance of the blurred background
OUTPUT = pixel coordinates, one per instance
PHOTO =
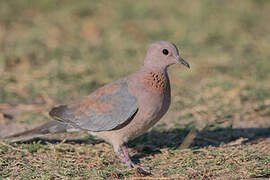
(55, 51)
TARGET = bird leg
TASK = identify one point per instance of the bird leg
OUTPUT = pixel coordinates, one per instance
(123, 154)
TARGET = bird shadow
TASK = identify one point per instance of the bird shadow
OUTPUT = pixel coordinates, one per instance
(151, 142)
(43, 140)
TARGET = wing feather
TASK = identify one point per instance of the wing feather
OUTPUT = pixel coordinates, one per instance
(107, 108)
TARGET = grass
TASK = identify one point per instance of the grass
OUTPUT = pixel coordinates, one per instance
(53, 52)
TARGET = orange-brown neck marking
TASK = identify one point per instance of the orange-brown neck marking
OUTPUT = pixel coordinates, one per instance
(155, 80)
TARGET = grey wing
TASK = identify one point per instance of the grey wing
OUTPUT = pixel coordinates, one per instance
(107, 108)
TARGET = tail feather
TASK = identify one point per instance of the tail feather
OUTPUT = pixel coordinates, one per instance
(58, 112)
(51, 127)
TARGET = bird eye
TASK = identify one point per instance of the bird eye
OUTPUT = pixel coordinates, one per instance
(165, 51)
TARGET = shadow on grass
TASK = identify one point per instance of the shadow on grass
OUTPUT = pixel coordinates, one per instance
(173, 138)
(43, 140)
(151, 142)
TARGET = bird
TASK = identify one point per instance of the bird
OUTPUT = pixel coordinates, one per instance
(120, 110)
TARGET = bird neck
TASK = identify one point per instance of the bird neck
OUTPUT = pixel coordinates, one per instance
(155, 69)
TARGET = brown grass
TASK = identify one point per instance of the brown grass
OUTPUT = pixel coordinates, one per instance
(53, 52)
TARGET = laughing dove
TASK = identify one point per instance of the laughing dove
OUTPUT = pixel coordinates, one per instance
(121, 110)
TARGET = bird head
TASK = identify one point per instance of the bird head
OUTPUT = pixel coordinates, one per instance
(162, 54)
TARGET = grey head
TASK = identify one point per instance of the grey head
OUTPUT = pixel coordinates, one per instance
(162, 54)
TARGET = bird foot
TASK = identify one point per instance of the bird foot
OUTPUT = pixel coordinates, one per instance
(141, 170)
(131, 164)
(146, 169)
(123, 154)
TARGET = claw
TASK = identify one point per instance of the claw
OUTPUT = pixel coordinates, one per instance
(143, 171)
(123, 154)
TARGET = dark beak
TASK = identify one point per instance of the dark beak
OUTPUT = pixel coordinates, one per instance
(182, 61)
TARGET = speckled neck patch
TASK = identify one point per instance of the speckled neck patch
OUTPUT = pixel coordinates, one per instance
(155, 80)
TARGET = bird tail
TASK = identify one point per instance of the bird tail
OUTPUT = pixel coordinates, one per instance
(51, 127)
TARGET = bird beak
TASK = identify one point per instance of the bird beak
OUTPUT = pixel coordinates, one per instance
(182, 61)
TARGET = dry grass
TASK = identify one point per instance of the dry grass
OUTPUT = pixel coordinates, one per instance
(53, 52)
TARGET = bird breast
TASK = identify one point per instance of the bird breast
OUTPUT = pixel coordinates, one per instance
(158, 94)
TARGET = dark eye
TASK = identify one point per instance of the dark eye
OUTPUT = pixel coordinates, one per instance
(165, 51)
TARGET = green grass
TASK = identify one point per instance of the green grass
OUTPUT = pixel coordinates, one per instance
(53, 52)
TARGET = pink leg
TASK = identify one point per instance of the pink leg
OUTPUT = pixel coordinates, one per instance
(124, 156)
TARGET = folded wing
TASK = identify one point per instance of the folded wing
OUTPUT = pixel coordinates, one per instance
(105, 109)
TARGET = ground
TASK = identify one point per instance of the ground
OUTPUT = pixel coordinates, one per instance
(218, 126)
